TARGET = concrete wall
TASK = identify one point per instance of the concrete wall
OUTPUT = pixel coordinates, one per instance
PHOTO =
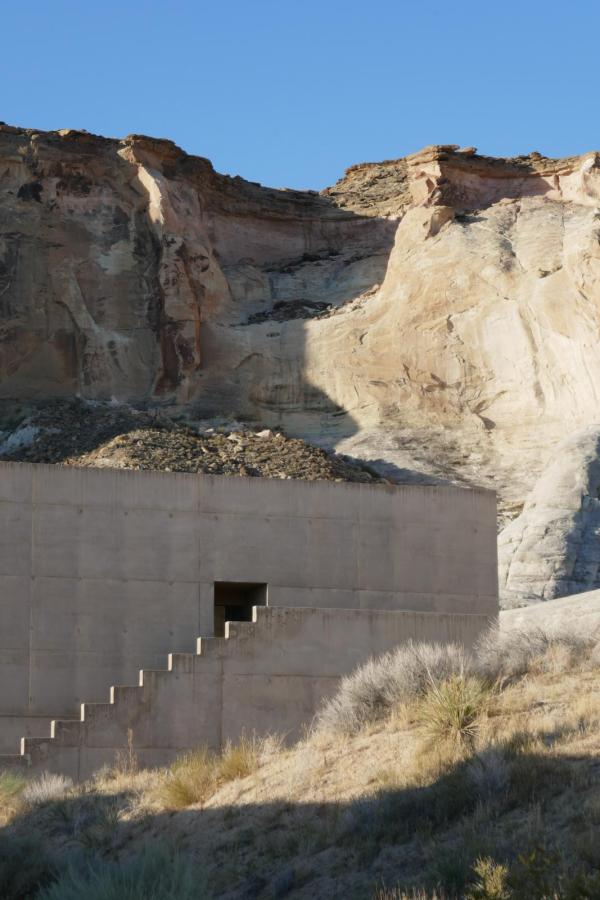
(263, 677)
(104, 571)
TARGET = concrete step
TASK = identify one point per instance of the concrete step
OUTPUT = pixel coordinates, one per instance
(124, 701)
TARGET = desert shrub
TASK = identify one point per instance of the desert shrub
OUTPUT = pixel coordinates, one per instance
(195, 777)
(490, 881)
(581, 886)
(46, 788)
(371, 692)
(25, 867)
(511, 653)
(452, 711)
(374, 689)
(156, 874)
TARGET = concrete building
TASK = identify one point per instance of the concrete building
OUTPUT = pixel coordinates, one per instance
(241, 600)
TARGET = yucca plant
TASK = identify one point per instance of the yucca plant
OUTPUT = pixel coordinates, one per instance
(452, 711)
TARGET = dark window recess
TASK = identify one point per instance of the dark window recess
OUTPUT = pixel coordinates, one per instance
(234, 601)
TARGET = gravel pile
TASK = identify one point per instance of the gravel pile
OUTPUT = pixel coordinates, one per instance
(105, 435)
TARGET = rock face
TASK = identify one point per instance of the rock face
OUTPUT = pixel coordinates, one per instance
(553, 548)
(437, 315)
(113, 254)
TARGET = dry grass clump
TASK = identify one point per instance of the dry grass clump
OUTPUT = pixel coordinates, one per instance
(190, 780)
(46, 788)
(197, 775)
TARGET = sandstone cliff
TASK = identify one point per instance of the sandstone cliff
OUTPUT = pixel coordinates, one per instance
(436, 315)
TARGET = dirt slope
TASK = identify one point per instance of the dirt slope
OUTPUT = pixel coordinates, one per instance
(336, 816)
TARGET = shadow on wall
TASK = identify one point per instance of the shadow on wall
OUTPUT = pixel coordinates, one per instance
(420, 837)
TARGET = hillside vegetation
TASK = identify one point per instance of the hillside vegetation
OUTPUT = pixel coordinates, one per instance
(431, 774)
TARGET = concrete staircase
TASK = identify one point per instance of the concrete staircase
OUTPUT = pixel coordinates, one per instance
(125, 706)
(264, 676)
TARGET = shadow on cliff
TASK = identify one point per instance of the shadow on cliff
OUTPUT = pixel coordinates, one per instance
(402, 475)
(255, 360)
(424, 836)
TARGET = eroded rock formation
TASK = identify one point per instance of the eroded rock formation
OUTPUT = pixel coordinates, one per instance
(553, 548)
(112, 254)
(436, 315)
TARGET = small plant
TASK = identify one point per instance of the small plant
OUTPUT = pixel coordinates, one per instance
(238, 760)
(488, 773)
(372, 691)
(490, 881)
(46, 788)
(452, 711)
(126, 761)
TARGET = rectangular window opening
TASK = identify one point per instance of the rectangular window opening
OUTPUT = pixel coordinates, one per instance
(234, 601)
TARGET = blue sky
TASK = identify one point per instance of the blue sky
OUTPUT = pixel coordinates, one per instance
(291, 93)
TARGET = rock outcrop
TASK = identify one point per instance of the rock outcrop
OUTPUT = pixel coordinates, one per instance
(114, 253)
(437, 315)
(553, 548)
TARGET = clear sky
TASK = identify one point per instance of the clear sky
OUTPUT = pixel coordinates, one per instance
(290, 93)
